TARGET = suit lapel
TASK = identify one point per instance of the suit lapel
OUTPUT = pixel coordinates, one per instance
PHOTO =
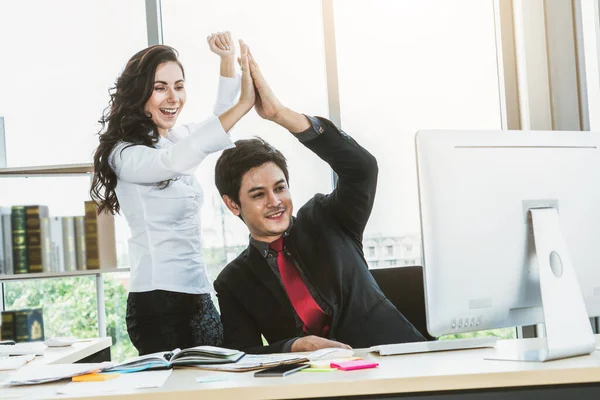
(259, 266)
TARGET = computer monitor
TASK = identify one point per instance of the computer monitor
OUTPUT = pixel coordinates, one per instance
(478, 191)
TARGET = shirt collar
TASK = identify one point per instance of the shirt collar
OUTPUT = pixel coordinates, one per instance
(263, 247)
(172, 137)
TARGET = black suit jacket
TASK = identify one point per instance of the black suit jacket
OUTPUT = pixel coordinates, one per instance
(326, 243)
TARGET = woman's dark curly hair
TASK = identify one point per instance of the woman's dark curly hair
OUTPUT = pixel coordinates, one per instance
(126, 121)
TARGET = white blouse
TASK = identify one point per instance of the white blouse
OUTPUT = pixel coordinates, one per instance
(165, 248)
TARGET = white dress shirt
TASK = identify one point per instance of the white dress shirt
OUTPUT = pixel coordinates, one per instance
(165, 248)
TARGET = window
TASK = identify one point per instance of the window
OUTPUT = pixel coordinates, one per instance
(408, 247)
(589, 27)
(410, 65)
(392, 263)
(53, 94)
(52, 97)
(390, 250)
(69, 307)
(371, 251)
(286, 38)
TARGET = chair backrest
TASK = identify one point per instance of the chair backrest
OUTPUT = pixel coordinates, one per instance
(403, 286)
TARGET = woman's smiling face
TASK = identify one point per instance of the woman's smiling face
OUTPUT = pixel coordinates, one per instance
(168, 96)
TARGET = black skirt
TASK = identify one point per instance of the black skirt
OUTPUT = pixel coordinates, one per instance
(160, 320)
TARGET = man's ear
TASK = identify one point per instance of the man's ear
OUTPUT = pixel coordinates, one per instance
(232, 205)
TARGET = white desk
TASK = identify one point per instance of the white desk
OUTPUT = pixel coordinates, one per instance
(61, 355)
(71, 354)
(456, 374)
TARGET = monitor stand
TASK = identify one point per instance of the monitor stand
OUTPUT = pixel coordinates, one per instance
(568, 329)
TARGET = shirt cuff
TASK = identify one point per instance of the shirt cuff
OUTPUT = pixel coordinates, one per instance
(287, 346)
(227, 92)
(316, 129)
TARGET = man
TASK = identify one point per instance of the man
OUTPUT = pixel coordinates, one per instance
(302, 283)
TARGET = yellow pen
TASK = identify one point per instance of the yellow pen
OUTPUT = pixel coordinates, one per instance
(94, 377)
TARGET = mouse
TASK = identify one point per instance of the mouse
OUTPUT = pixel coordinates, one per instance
(60, 341)
(330, 353)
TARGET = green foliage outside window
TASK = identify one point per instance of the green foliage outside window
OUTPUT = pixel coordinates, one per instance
(69, 306)
(504, 333)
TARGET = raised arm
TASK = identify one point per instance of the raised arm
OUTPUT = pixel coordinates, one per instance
(229, 82)
(222, 45)
(352, 200)
(230, 117)
(143, 164)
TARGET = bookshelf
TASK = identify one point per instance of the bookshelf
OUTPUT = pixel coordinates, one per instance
(44, 170)
(58, 171)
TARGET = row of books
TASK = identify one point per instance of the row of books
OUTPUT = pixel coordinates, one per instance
(26, 325)
(32, 241)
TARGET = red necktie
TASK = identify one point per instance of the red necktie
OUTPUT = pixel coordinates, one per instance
(306, 307)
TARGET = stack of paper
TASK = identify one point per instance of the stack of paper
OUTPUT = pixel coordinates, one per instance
(125, 382)
(253, 362)
(17, 362)
(20, 349)
(33, 374)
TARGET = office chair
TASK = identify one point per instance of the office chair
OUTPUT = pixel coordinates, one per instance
(403, 286)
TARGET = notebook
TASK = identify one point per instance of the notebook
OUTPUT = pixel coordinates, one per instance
(194, 356)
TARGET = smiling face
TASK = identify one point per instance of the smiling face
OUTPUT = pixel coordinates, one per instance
(168, 96)
(265, 202)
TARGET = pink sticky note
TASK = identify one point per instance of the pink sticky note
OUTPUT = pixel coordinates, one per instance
(354, 364)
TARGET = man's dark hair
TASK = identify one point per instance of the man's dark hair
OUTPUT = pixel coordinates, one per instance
(235, 162)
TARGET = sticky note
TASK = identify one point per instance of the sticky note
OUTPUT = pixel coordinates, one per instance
(352, 365)
(327, 363)
(94, 377)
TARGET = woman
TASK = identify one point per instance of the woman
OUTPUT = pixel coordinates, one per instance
(144, 167)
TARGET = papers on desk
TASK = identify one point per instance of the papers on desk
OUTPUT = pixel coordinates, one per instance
(139, 380)
(21, 349)
(252, 362)
(33, 374)
(16, 362)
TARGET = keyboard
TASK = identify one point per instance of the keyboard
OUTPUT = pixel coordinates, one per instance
(438, 345)
(20, 349)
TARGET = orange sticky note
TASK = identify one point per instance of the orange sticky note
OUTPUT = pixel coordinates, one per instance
(94, 377)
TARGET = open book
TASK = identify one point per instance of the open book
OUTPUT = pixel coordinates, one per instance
(194, 356)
